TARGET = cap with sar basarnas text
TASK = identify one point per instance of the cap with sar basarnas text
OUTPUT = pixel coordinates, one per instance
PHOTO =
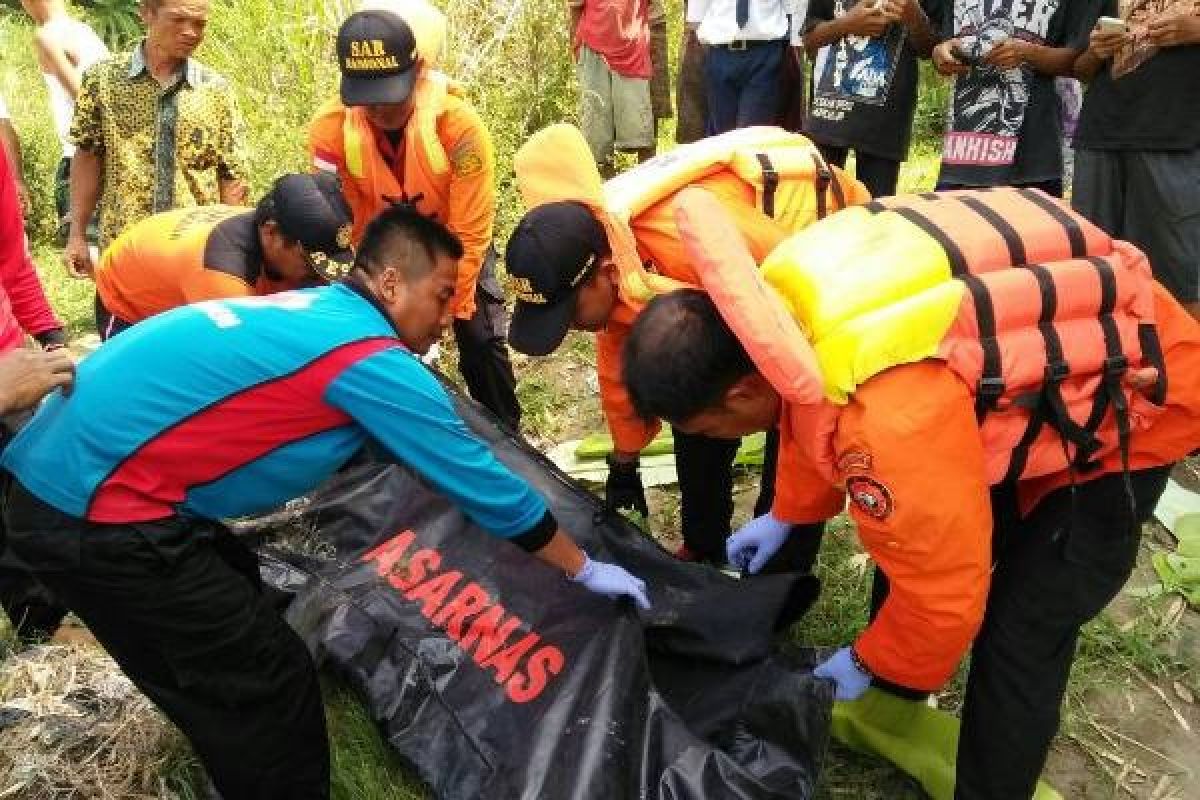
(377, 56)
(310, 208)
(551, 252)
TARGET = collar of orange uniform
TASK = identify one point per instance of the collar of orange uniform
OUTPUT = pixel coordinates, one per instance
(430, 97)
(556, 165)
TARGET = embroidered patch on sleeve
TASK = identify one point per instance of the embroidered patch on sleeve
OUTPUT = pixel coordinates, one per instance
(465, 160)
(872, 497)
(854, 461)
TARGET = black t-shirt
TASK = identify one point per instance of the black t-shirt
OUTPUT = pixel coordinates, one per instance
(1003, 126)
(864, 90)
(1146, 98)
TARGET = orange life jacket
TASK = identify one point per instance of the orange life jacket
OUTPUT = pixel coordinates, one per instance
(1041, 314)
(791, 182)
(343, 137)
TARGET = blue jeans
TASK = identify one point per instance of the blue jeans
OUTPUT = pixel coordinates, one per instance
(743, 85)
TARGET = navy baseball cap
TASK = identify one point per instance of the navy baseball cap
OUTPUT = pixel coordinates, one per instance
(377, 54)
(553, 249)
(310, 209)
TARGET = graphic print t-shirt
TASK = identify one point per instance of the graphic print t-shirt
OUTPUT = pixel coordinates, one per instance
(1003, 126)
(1129, 102)
(865, 89)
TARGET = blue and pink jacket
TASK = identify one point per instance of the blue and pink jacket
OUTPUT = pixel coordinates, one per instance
(232, 407)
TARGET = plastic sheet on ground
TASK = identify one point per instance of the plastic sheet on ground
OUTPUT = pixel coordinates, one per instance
(494, 677)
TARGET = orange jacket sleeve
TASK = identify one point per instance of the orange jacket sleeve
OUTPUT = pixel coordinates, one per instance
(211, 284)
(471, 205)
(802, 495)
(910, 454)
(629, 432)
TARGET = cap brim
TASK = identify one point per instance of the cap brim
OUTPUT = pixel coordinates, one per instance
(335, 266)
(387, 90)
(538, 330)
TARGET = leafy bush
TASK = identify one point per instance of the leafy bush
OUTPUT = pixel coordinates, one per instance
(513, 55)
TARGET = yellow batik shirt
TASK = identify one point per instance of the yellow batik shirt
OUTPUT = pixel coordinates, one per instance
(162, 147)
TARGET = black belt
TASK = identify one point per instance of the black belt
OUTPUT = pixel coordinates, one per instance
(745, 44)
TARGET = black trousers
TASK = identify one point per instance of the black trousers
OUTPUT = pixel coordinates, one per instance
(878, 174)
(705, 468)
(108, 324)
(1053, 571)
(179, 606)
(483, 349)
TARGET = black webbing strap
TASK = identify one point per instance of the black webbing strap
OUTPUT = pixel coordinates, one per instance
(1012, 239)
(1114, 354)
(1071, 225)
(958, 261)
(1115, 367)
(930, 196)
(839, 194)
(822, 175)
(875, 207)
(1057, 370)
(1037, 417)
(1038, 402)
(770, 183)
(991, 379)
(1152, 354)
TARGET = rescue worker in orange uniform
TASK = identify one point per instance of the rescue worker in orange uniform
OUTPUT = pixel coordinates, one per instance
(1001, 395)
(401, 131)
(299, 234)
(587, 257)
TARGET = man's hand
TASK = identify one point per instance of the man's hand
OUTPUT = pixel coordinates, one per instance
(1176, 26)
(866, 18)
(26, 376)
(612, 581)
(78, 256)
(842, 668)
(755, 542)
(946, 62)
(623, 491)
(1008, 54)
(1103, 45)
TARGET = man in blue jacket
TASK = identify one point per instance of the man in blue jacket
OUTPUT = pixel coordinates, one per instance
(231, 407)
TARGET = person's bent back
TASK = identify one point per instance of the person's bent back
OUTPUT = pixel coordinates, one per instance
(298, 235)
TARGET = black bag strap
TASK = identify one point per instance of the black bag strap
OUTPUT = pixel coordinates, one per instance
(823, 175)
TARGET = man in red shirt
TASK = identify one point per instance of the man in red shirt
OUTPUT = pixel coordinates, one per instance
(25, 376)
(23, 306)
(612, 61)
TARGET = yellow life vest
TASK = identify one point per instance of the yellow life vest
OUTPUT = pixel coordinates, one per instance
(1047, 320)
(785, 170)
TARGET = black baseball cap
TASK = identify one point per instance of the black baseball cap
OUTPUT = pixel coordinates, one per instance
(553, 249)
(311, 210)
(377, 54)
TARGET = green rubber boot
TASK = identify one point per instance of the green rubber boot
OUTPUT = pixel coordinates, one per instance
(921, 741)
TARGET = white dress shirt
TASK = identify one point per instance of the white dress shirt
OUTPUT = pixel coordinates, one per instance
(716, 20)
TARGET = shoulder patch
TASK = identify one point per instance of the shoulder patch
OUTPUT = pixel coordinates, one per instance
(854, 461)
(872, 497)
(465, 160)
